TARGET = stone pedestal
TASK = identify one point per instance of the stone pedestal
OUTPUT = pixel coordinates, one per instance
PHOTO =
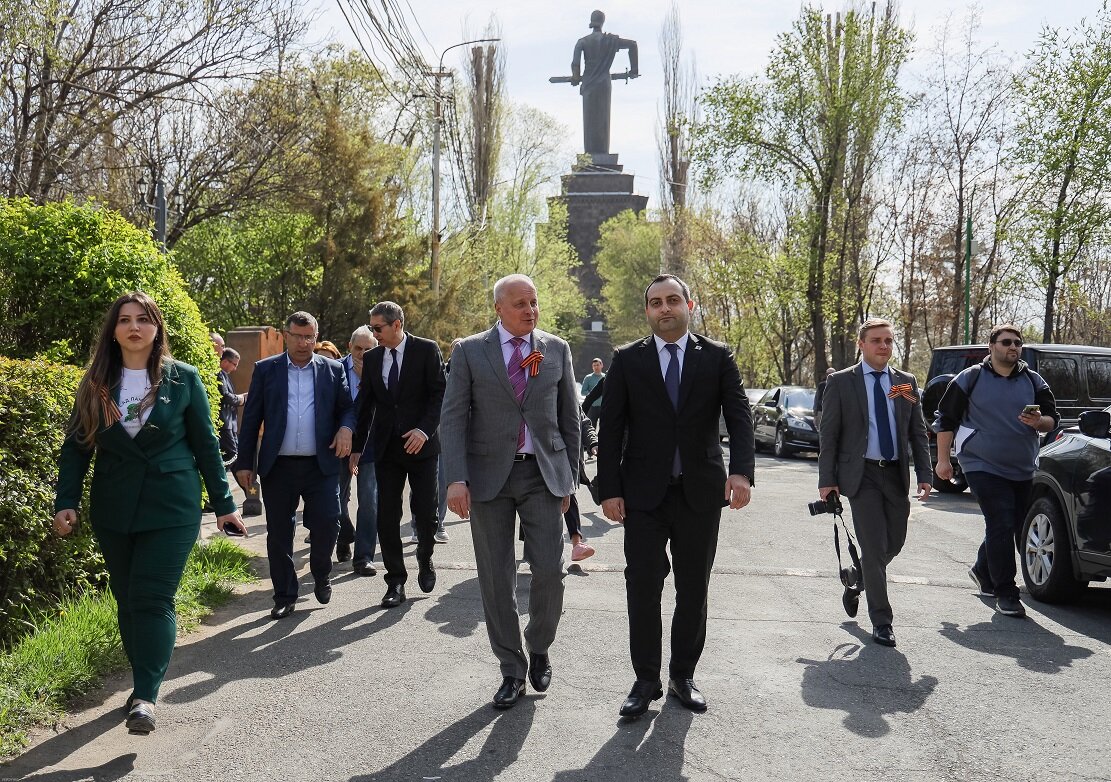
(593, 193)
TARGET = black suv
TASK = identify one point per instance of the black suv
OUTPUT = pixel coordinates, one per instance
(1066, 538)
(1078, 375)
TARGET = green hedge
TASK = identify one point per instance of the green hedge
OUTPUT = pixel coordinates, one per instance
(63, 266)
(36, 567)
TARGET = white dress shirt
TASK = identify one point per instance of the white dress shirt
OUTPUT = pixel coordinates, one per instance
(665, 354)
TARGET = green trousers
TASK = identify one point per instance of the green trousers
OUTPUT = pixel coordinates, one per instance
(144, 570)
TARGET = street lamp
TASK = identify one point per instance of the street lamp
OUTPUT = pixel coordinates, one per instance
(158, 207)
(437, 97)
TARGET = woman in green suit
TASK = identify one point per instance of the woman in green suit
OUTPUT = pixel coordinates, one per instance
(147, 419)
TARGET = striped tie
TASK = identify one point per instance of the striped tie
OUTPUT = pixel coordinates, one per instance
(517, 380)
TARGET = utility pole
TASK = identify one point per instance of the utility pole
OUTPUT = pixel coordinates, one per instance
(968, 269)
(438, 118)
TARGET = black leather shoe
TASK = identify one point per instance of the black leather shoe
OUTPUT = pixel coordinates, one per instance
(642, 694)
(510, 691)
(687, 693)
(395, 596)
(343, 552)
(850, 599)
(364, 569)
(281, 611)
(140, 719)
(128, 704)
(539, 671)
(323, 591)
(426, 576)
(883, 635)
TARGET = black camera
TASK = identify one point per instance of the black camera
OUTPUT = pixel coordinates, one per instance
(831, 504)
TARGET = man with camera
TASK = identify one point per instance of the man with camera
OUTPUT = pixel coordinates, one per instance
(872, 424)
(993, 412)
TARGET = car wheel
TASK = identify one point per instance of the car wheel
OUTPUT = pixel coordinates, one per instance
(781, 449)
(1046, 554)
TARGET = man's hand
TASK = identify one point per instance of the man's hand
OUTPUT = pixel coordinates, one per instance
(341, 443)
(924, 491)
(245, 479)
(233, 520)
(594, 452)
(944, 468)
(459, 500)
(353, 462)
(64, 522)
(565, 504)
(614, 509)
(414, 441)
(823, 491)
(738, 491)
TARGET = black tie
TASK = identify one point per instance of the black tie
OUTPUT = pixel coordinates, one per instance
(391, 380)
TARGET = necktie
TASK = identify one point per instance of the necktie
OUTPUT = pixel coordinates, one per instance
(883, 423)
(391, 379)
(671, 383)
(517, 380)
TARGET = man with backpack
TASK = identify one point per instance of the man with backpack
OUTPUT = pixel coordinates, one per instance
(993, 413)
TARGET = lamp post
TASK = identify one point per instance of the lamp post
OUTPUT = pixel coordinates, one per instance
(158, 208)
(438, 115)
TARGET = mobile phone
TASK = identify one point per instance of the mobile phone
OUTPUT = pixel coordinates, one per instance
(1032, 410)
(233, 531)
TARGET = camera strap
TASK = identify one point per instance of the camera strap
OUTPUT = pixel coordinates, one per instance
(854, 555)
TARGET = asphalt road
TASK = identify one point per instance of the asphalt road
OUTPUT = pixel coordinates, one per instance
(350, 691)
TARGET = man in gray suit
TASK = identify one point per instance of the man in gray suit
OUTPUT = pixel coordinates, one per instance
(510, 434)
(872, 424)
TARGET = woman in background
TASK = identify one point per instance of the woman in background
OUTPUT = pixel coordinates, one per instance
(147, 419)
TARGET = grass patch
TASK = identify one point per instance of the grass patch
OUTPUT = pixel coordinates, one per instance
(74, 646)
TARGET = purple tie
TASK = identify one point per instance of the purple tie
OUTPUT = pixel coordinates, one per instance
(517, 380)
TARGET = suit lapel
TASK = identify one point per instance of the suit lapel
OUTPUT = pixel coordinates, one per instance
(862, 394)
(408, 364)
(651, 368)
(372, 366)
(167, 397)
(691, 363)
(497, 364)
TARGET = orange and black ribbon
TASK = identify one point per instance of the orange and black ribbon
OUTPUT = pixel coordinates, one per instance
(905, 391)
(531, 362)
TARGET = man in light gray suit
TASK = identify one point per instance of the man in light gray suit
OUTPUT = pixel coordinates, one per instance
(872, 424)
(509, 428)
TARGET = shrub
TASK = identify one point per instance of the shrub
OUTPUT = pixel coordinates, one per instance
(36, 567)
(64, 265)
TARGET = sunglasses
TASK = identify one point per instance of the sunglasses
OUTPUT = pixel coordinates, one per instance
(378, 329)
(1009, 342)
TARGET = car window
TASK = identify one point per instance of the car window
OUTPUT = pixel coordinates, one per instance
(1099, 378)
(950, 362)
(802, 401)
(768, 397)
(1062, 374)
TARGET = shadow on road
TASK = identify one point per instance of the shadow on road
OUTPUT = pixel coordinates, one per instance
(1089, 614)
(649, 748)
(458, 612)
(866, 681)
(114, 769)
(507, 733)
(1032, 646)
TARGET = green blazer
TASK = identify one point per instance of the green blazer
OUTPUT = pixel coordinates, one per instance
(150, 482)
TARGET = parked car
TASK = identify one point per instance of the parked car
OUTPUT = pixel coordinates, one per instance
(1079, 376)
(753, 395)
(783, 420)
(1066, 538)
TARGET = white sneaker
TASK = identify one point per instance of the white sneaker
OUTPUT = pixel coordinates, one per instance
(441, 536)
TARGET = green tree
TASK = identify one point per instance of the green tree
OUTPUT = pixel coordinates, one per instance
(628, 257)
(66, 264)
(813, 124)
(1063, 143)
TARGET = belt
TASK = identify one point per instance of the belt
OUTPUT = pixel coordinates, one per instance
(284, 456)
(883, 462)
(523, 457)
(675, 480)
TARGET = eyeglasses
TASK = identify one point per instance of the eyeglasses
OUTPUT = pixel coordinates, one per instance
(378, 329)
(301, 337)
(1009, 342)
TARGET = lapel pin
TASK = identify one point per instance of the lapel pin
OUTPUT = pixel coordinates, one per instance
(531, 362)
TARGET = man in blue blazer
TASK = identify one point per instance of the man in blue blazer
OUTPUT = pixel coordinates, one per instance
(305, 403)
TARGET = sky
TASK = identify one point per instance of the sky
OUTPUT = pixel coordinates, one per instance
(725, 37)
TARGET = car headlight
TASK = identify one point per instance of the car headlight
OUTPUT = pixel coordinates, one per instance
(799, 423)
